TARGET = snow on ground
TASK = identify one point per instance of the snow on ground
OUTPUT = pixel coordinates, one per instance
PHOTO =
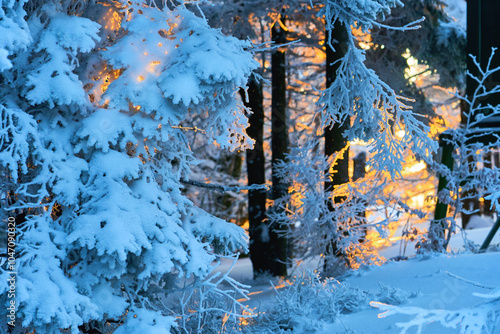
(439, 282)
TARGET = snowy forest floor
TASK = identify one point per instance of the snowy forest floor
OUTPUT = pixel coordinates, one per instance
(443, 283)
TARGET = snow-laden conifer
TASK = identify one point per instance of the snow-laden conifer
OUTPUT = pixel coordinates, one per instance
(359, 96)
(93, 151)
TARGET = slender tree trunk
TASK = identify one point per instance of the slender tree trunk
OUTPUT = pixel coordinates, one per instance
(334, 139)
(259, 250)
(232, 164)
(261, 254)
(359, 171)
(279, 145)
(474, 48)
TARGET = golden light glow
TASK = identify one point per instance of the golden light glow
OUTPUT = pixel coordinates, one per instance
(244, 320)
(379, 243)
(132, 108)
(364, 39)
(140, 78)
(276, 18)
(416, 72)
(358, 142)
(112, 20)
(225, 319)
(415, 168)
(103, 77)
(105, 83)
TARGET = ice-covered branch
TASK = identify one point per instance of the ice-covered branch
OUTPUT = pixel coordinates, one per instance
(376, 113)
(223, 189)
(475, 320)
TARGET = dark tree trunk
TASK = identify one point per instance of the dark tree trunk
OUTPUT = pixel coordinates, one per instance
(359, 172)
(359, 167)
(279, 146)
(259, 250)
(232, 164)
(482, 27)
(334, 139)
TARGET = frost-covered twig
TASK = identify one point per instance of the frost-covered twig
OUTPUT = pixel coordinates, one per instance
(223, 189)
(308, 216)
(474, 283)
(203, 303)
(475, 320)
(470, 178)
(262, 48)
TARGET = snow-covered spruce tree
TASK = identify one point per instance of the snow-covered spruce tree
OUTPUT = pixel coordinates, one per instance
(376, 114)
(92, 97)
(374, 109)
(437, 32)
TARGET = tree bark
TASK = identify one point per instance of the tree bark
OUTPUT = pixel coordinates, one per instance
(334, 138)
(279, 145)
(255, 160)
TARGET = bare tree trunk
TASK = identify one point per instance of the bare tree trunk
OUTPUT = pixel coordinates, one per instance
(359, 171)
(259, 251)
(334, 139)
(279, 144)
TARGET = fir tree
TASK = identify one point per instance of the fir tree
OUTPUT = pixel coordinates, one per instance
(93, 151)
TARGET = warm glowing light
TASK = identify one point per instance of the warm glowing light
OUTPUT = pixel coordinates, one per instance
(111, 20)
(364, 38)
(383, 242)
(245, 316)
(225, 319)
(105, 83)
(296, 191)
(358, 142)
(133, 108)
(415, 72)
(415, 168)
(140, 78)
(280, 286)
(105, 76)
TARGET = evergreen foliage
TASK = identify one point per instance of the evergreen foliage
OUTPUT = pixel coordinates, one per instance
(92, 150)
